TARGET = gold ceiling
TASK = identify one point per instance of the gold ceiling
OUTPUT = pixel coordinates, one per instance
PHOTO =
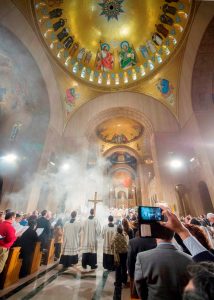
(111, 43)
(119, 131)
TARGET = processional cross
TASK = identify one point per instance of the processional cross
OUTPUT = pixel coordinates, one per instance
(95, 201)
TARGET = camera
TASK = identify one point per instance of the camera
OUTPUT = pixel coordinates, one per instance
(149, 214)
(149, 218)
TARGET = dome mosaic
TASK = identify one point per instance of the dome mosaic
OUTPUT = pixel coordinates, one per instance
(119, 131)
(112, 43)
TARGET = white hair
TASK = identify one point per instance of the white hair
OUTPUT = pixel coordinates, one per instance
(210, 215)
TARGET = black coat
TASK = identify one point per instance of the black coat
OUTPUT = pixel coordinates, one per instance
(42, 222)
(27, 242)
(136, 245)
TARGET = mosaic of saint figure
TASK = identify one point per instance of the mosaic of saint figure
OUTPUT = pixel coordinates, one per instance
(55, 13)
(105, 59)
(169, 9)
(58, 24)
(68, 42)
(161, 29)
(127, 56)
(166, 19)
(74, 49)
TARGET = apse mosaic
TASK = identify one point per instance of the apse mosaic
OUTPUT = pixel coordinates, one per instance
(121, 157)
(112, 43)
(119, 131)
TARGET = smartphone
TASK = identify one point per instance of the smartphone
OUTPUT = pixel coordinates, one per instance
(149, 214)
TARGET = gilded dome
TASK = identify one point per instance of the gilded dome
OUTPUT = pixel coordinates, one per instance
(112, 43)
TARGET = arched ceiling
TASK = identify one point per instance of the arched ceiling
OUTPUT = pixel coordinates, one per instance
(111, 43)
(119, 131)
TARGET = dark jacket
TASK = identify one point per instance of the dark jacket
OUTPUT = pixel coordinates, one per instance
(137, 245)
(42, 222)
(27, 242)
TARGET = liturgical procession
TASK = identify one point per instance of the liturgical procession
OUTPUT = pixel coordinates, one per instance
(107, 149)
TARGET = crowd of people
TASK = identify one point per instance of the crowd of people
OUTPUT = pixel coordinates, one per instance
(178, 264)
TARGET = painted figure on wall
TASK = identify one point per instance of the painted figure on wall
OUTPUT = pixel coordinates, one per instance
(58, 24)
(157, 39)
(74, 49)
(68, 42)
(127, 56)
(70, 99)
(150, 45)
(167, 89)
(81, 54)
(166, 19)
(62, 34)
(169, 9)
(88, 57)
(144, 51)
(161, 29)
(55, 13)
(105, 59)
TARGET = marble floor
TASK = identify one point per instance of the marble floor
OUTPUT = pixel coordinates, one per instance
(73, 283)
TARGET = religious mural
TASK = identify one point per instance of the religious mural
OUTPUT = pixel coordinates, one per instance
(166, 89)
(105, 59)
(127, 56)
(123, 158)
(83, 55)
(24, 107)
(119, 131)
(70, 99)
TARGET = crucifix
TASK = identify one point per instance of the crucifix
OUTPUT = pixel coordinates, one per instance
(95, 201)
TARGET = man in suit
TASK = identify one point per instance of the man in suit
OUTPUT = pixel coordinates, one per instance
(161, 273)
(44, 223)
(135, 246)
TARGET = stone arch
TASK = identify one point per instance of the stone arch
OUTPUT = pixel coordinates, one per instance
(121, 112)
(202, 19)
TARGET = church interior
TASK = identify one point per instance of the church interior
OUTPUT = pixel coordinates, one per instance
(110, 101)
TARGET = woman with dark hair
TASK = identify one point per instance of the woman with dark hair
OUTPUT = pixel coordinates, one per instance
(58, 235)
(127, 229)
(27, 242)
(120, 248)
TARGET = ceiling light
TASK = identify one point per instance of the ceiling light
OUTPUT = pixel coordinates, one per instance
(10, 158)
(176, 163)
(65, 167)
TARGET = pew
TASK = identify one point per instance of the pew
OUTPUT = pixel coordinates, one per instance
(10, 274)
(36, 259)
(48, 256)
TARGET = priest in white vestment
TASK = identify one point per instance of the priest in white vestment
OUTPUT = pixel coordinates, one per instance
(91, 232)
(71, 242)
(108, 234)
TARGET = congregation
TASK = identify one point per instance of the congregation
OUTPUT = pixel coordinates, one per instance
(179, 264)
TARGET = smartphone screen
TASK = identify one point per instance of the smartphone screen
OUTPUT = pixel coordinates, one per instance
(150, 214)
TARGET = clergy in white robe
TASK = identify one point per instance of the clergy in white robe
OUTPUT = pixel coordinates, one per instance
(91, 232)
(108, 234)
(71, 242)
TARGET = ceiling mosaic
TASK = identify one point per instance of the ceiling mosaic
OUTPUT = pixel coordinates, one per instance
(119, 131)
(112, 44)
